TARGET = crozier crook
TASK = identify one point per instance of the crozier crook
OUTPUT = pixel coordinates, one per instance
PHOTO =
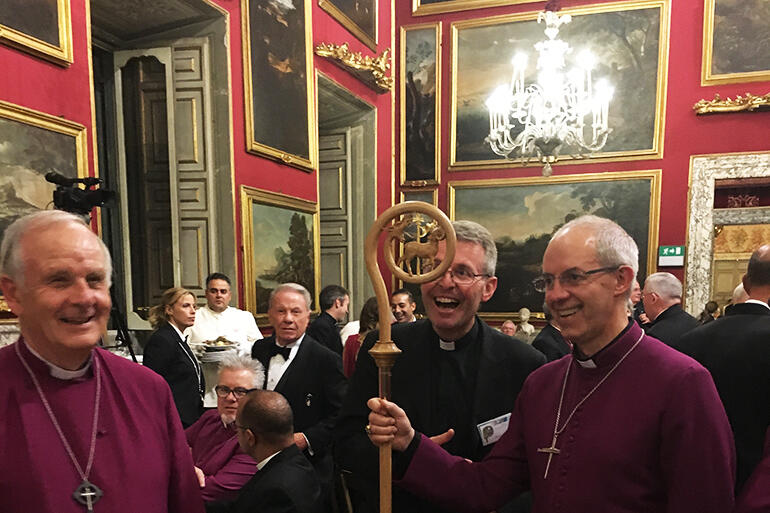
(385, 351)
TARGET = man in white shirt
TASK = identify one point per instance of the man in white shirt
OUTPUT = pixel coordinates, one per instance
(219, 319)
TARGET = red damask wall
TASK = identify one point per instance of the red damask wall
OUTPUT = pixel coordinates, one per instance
(685, 133)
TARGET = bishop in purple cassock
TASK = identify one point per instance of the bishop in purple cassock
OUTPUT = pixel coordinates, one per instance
(623, 424)
(80, 428)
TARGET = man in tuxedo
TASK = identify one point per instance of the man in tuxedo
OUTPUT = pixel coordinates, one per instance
(662, 298)
(735, 349)
(306, 373)
(285, 481)
(335, 301)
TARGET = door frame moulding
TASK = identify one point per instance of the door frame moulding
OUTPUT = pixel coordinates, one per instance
(702, 216)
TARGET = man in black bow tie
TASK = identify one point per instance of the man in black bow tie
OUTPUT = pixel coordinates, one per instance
(308, 374)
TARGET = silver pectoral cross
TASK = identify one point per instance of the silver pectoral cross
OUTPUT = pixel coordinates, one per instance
(552, 450)
(87, 494)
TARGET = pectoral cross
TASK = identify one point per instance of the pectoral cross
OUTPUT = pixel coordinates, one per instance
(87, 494)
(551, 451)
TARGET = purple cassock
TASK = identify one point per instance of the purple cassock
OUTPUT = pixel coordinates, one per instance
(653, 438)
(755, 496)
(141, 460)
(216, 452)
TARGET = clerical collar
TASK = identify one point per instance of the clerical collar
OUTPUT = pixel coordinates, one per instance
(604, 355)
(59, 372)
(462, 342)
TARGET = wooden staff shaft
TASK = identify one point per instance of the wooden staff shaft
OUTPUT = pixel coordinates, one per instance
(385, 351)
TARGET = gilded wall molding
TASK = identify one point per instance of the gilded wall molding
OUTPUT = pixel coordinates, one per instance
(718, 105)
(701, 217)
(372, 71)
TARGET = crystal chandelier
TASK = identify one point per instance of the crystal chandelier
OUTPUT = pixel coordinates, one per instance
(561, 108)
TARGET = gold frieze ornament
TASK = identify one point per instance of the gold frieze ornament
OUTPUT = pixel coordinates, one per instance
(740, 103)
(370, 70)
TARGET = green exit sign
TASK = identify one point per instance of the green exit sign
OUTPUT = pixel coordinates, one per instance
(671, 255)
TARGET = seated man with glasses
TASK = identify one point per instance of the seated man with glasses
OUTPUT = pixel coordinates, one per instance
(455, 375)
(221, 466)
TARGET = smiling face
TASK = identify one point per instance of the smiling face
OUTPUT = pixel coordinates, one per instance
(63, 302)
(288, 315)
(592, 313)
(218, 295)
(402, 307)
(182, 312)
(451, 307)
(232, 378)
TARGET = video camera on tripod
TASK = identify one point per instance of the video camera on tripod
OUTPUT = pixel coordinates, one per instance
(71, 198)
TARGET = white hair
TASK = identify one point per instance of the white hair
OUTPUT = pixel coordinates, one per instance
(666, 285)
(614, 246)
(291, 287)
(11, 261)
(236, 362)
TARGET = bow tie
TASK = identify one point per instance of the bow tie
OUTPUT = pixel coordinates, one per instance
(283, 351)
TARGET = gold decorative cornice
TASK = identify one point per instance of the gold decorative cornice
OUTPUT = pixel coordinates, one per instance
(740, 103)
(4, 305)
(370, 70)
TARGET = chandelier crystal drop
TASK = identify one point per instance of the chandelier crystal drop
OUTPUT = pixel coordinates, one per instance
(560, 108)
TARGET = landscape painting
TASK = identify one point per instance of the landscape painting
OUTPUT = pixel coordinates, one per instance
(420, 105)
(629, 42)
(277, 80)
(280, 245)
(358, 16)
(733, 41)
(522, 215)
(41, 27)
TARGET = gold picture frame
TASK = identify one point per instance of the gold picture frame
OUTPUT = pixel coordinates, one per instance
(34, 144)
(416, 173)
(52, 42)
(281, 96)
(523, 213)
(338, 12)
(747, 38)
(650, 110)
(421, 8)
(272, 222)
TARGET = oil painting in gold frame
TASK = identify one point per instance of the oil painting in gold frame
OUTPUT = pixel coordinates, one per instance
(34, 143)
(630, 42)
(281, 244)
(420, 93)
(358, 16)
(429, 7)
(732, 34)
(278, 81)
(40, 27)
(523, 213)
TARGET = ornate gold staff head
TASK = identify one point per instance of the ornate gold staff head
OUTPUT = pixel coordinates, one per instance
(419, 227)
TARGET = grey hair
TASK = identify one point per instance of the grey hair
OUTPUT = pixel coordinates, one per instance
(614, 246)
(666, 285)
(11, 261)
(290, 287)
(237, 362)
(469, 231)
(739, 294)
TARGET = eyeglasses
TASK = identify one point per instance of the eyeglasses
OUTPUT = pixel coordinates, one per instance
(461, 275)
(223, 391)
(569, 278)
